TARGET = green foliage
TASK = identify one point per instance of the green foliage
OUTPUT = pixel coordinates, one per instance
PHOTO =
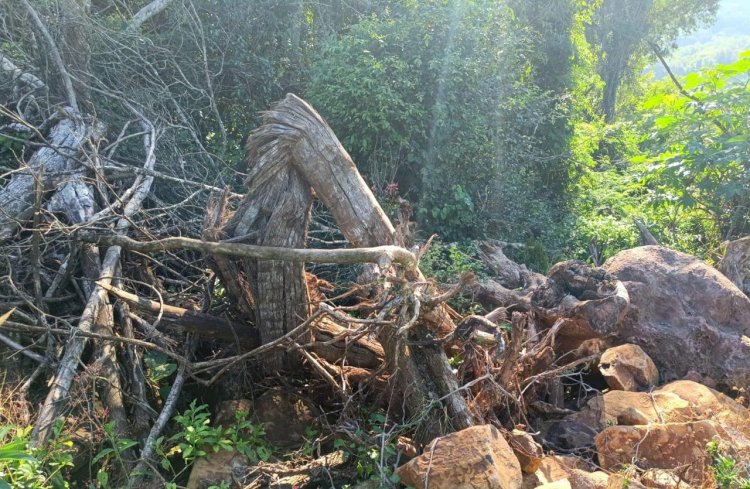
(445, 262)
(698, 146)
(374, 460)
(28, 468)
(111, 454)
(441, 97)
(196, 438)
(725, 469)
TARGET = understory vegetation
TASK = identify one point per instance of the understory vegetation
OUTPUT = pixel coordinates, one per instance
(530, 123)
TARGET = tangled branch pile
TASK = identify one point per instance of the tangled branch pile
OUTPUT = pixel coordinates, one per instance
(106, 260)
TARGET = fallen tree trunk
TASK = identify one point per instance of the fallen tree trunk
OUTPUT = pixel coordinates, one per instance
(54, 162)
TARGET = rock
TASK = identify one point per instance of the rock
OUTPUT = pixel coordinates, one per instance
(628, 368)
(286, 416)
(573, 470)
(684, 314)
(661, 479)
(561, 484)
(620, 481)
(570, 433)
(661, 446)
(528, 452)
(474, 458)
(580, 479)
(215, 468)
(707, 403)
(552, 468)
(632, 408)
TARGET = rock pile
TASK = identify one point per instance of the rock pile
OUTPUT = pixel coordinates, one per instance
(672, 333)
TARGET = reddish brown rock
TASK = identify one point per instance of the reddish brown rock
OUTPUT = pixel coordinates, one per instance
(684, 314)
(474, 458)
(622, 481)
(628, 368)
(661, 446)
(662, 479)
(528, 452)
(574, 470)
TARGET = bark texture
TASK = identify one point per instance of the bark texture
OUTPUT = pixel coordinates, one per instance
(292, 151)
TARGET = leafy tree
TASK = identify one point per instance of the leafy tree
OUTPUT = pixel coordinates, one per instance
(699, 145)
(620, 29)
(442, 98)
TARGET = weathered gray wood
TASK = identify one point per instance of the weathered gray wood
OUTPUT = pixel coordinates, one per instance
(60, 387)
(294, 135)
(58, 160)
(735, 264)
(277, 211)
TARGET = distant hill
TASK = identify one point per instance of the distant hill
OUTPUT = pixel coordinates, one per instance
(719, 42)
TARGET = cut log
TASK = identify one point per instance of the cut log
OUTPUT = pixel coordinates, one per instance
(646, 237)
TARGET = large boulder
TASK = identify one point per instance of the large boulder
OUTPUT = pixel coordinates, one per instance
(684, 314)
(474, 458)
(660, 446)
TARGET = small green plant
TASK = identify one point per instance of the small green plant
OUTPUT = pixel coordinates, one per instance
(311, 442)
(111, 454)
(248, 438)
(34, 469)
(196, 438)
(159, 368)
(373, 451)
(725, 469)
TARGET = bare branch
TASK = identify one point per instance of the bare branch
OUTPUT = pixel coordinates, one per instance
(146, 13)
(55, 53)
(391, 254)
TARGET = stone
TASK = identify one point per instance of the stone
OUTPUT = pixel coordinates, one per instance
(628, 368)
(707, 403)
(580, 479)
(215, 468)
(659, 446)
(561, 484)
(620, 481)
(570, 433)
(684, 314)
(474, 458)
(661, 479)
(286, 416)
(528, 452)
(573, 470)
(552, 468)
(632, 408)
